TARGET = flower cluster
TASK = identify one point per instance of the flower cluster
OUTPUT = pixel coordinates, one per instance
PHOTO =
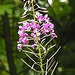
(43, 25)
(33, 34)
(41, 18)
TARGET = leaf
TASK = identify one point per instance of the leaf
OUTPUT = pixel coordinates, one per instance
(6, 8)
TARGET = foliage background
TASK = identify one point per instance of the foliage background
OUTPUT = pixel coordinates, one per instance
(62, 15)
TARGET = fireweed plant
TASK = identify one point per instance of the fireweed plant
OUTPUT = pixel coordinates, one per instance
(37, 29)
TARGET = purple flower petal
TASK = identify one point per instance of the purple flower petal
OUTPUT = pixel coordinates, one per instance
(26, 41)
(32, 34)
(38, 26)
(19, 46)
(53, 35)
(20, 39)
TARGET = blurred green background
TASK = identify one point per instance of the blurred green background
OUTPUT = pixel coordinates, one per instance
(62, 14)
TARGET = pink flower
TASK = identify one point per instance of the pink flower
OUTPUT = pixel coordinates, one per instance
(50, 25)
(20, 39)
(46, 19)
(40, 18)
(26, 41)
(53, 35)
(51, 30)
(21, 32)
(33, 26)
(32, 34)
(19, 46)
(34, 45)
(37, 26)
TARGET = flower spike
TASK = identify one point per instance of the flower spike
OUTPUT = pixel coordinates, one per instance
(33, 34)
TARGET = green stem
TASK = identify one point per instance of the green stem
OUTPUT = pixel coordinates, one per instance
(33, 12)
(41, 66)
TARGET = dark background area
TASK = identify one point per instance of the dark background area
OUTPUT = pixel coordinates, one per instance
(62, 15)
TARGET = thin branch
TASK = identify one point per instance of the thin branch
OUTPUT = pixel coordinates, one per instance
(54, 53)
(32, 59)
(48, 51)
(25, 12)
(33, 65)
(33, 52)
(27, 15)
(50, 62)
(30, 39)
(51, 66)
(30, 49)
(44, 36)
(49, 41)
(46, 67)
(30, 20)
(28, 52)
(29, 65)
(27, 45)
(54, 68)
(42, 41)
(43, 48)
